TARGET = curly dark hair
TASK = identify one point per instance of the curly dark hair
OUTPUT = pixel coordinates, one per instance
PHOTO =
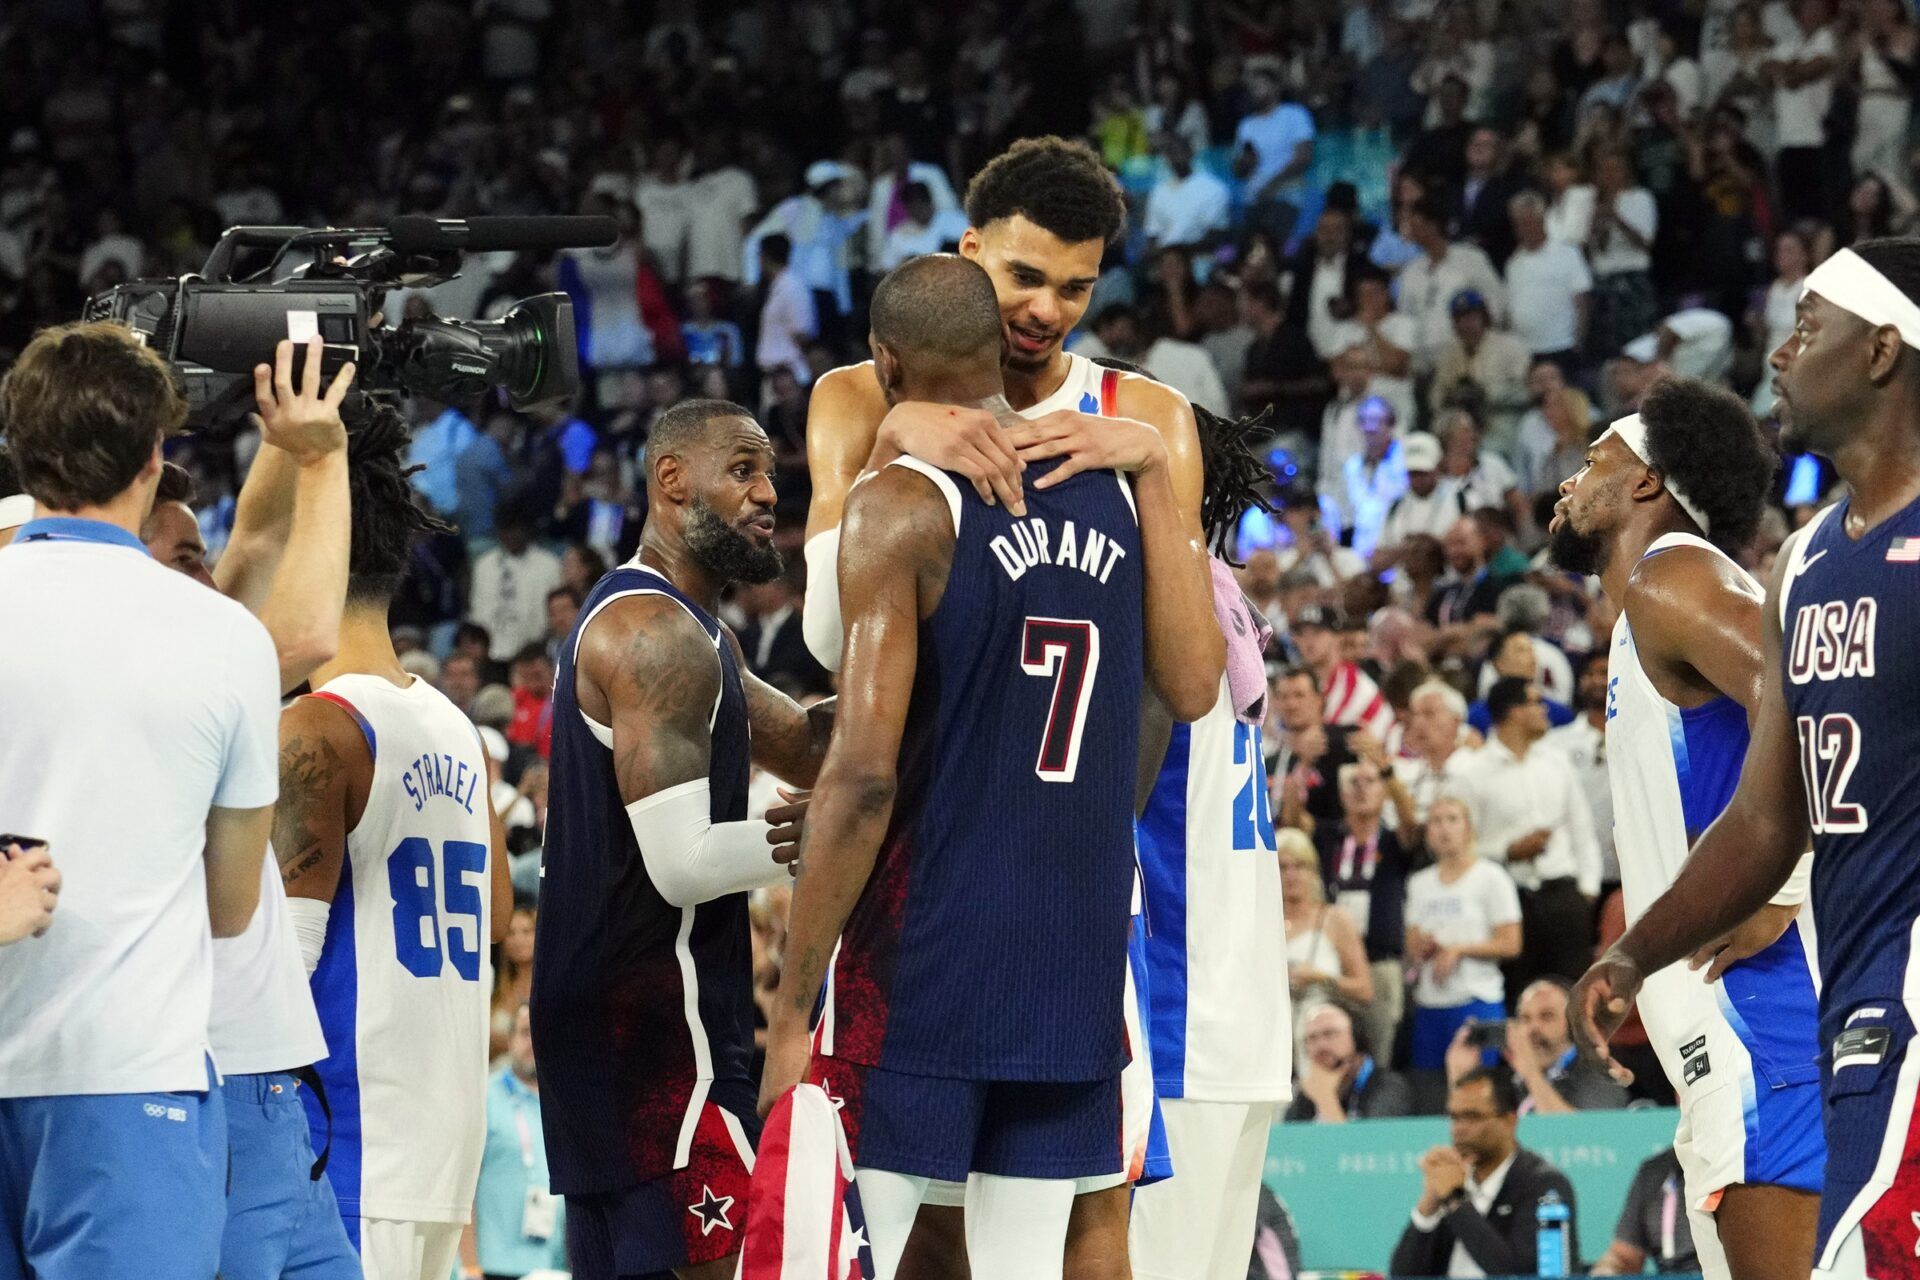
(1233, 478)
(1058, 184)
(9, 481)
(1704, 440)
(386, 511)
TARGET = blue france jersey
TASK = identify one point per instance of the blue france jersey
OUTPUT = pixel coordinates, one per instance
(1850, 620)
(990, 941)
(639, 1006)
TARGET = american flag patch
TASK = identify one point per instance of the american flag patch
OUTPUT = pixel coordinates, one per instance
(1904, 551)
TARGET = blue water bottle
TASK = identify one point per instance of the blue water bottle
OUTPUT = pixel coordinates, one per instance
(1553, 1220)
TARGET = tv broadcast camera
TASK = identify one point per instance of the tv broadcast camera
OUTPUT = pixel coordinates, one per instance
(215, 326)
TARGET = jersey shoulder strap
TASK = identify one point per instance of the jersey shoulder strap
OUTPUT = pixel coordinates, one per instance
(1797, 559)
(1109, 393)
(944, 482)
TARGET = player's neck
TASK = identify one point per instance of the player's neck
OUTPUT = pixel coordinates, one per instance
(1881, 465)
(365, 649)
(1026, 389)
(675, 562)
(979, 389)
(1630, 548)
(125, 510)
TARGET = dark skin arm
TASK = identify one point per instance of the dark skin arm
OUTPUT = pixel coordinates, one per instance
(648, 671)
(1739, 863)
(1697, 627)
(894, 559)
(325, 774)
(789, 740)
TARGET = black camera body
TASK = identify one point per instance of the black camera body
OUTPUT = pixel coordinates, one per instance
(213, 328)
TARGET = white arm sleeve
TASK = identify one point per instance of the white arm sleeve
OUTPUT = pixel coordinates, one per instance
(309, 916)
(820, 621)
(1794, 891)
(690, 859)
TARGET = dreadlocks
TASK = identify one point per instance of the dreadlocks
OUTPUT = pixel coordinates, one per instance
(386, 511)
(1233, 478)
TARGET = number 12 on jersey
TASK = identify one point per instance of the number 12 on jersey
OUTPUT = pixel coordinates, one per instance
(1068, 649)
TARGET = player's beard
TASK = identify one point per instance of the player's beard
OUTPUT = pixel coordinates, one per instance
(1577, 552)
(725, 551)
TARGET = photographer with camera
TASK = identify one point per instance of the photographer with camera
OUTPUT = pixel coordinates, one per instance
(141, 740)
(1552, 1077)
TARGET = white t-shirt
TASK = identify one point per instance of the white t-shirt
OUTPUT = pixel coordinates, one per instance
(1541, 286)
(721, 202)
(1705, 349)
(1187, 211)
(1427, 291)
(1636, 209)
(1273, 136)
(1461, 914)
(135, 701)
(263, 1018)
(1799, 115)
(509, 597)
(1188, 369)
(1570, 217)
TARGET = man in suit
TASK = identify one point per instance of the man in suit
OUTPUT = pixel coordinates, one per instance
(771, 639)
(1476, 1214)
(1479, 203)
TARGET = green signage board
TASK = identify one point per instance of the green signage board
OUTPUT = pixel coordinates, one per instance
(1350, 1187)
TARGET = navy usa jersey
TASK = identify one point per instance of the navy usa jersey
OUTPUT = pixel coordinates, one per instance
(639, 1007)
(990, 942)
(1850, 620)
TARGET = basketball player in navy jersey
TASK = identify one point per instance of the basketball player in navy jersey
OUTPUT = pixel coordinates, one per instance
(1662, 499)
(1835, 756)
(642, 991)
(1042, 215)
(972, 1025)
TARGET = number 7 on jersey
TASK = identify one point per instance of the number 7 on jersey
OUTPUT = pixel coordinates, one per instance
(1067, 649)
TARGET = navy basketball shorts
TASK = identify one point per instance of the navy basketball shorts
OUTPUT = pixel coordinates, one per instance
(694, 1215)
(931, 1127)
(1870, 1208)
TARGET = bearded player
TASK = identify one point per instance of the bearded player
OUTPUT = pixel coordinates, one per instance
(1042, 215)
(643, 988)
(1662, 499)
(1833, 756)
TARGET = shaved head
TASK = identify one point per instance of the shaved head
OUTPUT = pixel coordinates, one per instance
(939, 307)
(687, 424)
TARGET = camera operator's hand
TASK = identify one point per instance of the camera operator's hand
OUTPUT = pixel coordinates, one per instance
(306, 423)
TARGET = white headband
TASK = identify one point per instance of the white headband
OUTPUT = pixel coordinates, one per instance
(1632, 432)
(15, 511)
(1851, 283)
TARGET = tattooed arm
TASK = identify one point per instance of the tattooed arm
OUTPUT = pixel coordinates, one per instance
(789, 740)
(325, 773)
(648, 669)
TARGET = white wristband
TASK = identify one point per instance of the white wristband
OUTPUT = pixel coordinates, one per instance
(1794, 891)
(689, 857)
(820, 622)
(309, 916)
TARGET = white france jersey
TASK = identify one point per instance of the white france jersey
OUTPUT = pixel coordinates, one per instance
(1673, 770)
(405, 976)
(1221, 1027)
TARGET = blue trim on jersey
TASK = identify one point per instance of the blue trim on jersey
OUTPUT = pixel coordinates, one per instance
(336, 998)
(1158, 1164)
(1713, 745)
(1749, 1103)
(1160, 837)
(77, 529)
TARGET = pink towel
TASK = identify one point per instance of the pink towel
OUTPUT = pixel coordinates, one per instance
(1247, 636)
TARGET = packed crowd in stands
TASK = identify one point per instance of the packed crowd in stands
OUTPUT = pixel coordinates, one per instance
(1435, 247)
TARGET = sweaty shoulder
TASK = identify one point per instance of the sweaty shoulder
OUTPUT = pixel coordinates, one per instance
(1171, 414)
(643, 642)
(1671, 589)
(895, 506)
(847, 400)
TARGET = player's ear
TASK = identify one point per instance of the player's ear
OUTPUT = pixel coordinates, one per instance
(886, 366)
(970, 244)
(1887, 351)
(670, 474)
